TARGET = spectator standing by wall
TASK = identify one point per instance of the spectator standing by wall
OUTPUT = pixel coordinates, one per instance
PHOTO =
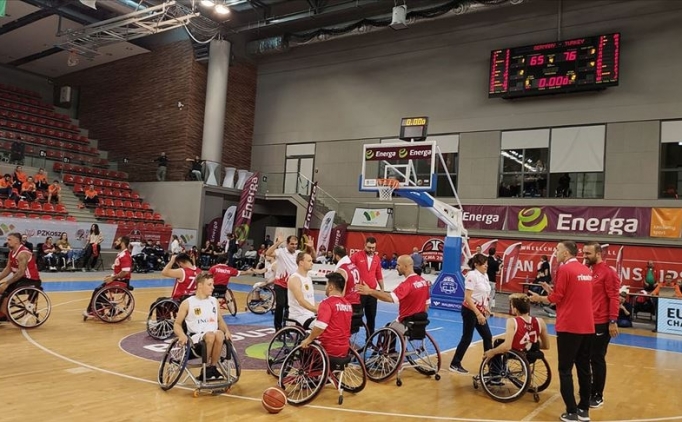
(418, 260)
(163, 166)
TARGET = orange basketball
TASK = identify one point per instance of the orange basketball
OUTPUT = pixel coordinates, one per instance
(274, 400)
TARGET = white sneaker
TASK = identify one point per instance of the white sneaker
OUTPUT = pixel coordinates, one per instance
(87, 314)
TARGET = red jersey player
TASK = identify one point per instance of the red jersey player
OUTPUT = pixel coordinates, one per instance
(22, 268)
(412, 295)
(523, 331)
(222, 273)
(122, 267)
(184, 276)
(332, 325)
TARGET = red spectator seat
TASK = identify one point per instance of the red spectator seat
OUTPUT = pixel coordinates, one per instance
(69, 179)
(117, 185)
(19, 215)
(116, 193)
(157, 216)
(58, 167)
(139, 225)
(36, 216)
(108, 202)
(158, 226)
(108, 183)
(71, 218)
(134, 195)
(78, 189)
(137, 205)
(118, 203)
(78, 179)
(10, 204)
(149, 226)
(125, 194)
(146, 206)
(107, 192)
(6, 214)
(88, 181)
(125, 185)
(148, 215)
(48, 208)
(99, 213)
(127, 204)
(46, 217)
(98, 182)
(40, 196)
(59, 217)
(35, 206)
(60, 208)
(130, 215)
(23, 205)
(110, 213)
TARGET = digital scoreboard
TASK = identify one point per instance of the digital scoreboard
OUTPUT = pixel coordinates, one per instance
(581, 64)
(413, 128)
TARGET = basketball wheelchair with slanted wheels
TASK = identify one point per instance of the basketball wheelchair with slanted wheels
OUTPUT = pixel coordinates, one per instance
(284, 342)
(161, 317)
(261, 299)
(179, 359)
(225, 298)
(304, 372)
(388, 352)
(27, 305)
(508, 376)
(358, 330)
(113, 303)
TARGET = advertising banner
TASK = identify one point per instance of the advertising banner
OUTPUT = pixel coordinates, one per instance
(325, 232)
(143, 234)
(213, 230)
(669, 316)
(228, 223)
(482, 217)
(366, 217)
(666, 222)
(37, 230)
(613, 221)
(632, 258)
(188, 237)
(310, 209)
(245, 208)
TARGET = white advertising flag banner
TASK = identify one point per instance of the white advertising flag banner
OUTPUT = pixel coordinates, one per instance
(326, 231)
(228, 223)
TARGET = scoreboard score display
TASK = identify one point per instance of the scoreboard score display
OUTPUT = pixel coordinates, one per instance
(581, 64)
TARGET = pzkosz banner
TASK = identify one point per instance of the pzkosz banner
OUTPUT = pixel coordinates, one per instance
(37, 230)
(245, 209)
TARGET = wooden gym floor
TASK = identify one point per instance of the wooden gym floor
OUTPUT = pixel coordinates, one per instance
(70, 370)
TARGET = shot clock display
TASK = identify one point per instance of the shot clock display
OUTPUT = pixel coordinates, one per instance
(581, 64)
(413, 128)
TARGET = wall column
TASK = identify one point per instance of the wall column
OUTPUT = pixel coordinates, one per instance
(214, 114)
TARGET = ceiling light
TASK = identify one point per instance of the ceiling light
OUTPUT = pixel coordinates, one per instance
(207, 3)
(221, 9)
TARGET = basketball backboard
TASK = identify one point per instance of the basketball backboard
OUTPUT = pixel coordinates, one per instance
(411, 164)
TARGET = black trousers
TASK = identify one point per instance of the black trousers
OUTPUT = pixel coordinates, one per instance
(600, 344)
(281, 302)
(574, 349)
(369, 305)
(470, 323)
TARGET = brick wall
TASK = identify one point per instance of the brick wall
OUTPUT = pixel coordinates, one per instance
(130, 107)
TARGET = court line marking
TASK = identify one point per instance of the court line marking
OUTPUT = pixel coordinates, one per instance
(542, 407)
(367, 412)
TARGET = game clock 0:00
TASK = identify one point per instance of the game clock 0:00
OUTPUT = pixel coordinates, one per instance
(580, 64)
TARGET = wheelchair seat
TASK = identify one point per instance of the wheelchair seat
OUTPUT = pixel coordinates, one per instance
(339, 363)
(416, 326)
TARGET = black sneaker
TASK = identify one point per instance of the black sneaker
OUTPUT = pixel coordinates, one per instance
(596, 402)
(213, 373)
(568, 417)
(458, 369)
(583, 415)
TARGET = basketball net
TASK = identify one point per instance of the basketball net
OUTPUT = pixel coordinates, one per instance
(385, 187)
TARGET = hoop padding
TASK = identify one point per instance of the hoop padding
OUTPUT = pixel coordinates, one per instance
(385, 187)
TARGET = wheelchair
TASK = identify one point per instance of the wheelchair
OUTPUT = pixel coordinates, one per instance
(225, 299)
(161, 317)
(261, 299)
(113, 303)
(358, 331)
(305, 372)
(178, 360)
(283, 343)
(388, 352)
(28, 306)
(507, 377)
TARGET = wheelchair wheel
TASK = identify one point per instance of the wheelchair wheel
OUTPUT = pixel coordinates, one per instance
(505, 378)
(359, 337)
(265, 301)
(284, 341)
(423, 355)
(304, 373)
(173, 364)
(354, 376)
(541, 375)
(161, 319)
(28, 307)
(229, 362)
(230, 303)
(383, 354)
(113, 304)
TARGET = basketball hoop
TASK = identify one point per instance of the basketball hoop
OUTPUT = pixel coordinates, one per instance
(385, 187)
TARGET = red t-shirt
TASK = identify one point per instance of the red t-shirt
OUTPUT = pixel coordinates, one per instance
(333, 316)
(605, 291)
(123, 262)
(412, 296)
(31, 272)
(352, 280)
(222, 274)
(526, 334)
(573, 297)
(186, 286)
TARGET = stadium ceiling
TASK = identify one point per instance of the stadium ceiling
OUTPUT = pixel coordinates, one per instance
(56, 37)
